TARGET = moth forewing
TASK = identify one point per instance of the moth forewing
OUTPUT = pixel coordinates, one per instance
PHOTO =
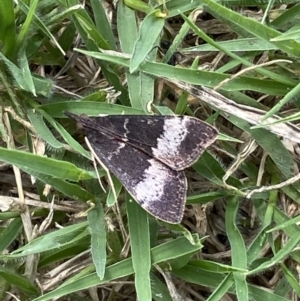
(177, 141)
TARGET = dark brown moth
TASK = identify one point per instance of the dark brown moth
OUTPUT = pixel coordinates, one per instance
(148, 155)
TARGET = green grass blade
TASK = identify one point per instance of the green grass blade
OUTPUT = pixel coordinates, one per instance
(19, 281)
(102, 23)
(10, 233)
(140, 249)
(238, 249)
(148, 34)
(222, 289)
(288, 97)
(8, 27)
(90, 108)
(98, 238)
(50, 167)
(53, 240)
(42, 130)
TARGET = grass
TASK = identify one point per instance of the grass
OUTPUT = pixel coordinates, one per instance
(62, 237)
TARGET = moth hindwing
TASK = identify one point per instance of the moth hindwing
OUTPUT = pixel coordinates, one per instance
(148, 154)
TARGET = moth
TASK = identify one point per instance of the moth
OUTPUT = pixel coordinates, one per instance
(148, 155)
